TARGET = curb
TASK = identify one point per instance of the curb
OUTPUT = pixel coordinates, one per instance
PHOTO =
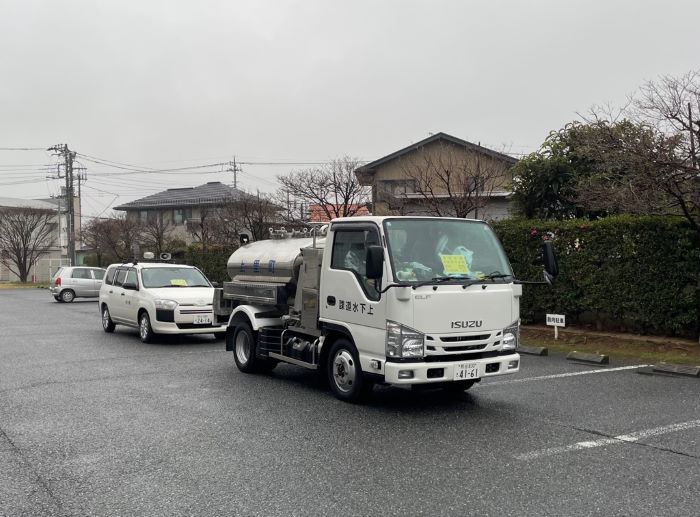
(532, 350)
(677, 369)
(588, 358)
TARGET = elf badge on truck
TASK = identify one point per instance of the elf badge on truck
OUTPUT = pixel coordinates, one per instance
(394, 300)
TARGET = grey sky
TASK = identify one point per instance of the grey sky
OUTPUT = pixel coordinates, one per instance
(175, 83)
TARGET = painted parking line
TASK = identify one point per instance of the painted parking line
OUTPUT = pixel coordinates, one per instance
(613, 440)
(562, 375)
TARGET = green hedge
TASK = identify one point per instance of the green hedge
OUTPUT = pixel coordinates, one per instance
(212, 262)
(639, 274)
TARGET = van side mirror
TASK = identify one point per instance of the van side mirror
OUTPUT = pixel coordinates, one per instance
(549, 259)
(375, 262)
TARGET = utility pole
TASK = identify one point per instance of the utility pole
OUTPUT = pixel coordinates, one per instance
(235, 168)
(68, 157)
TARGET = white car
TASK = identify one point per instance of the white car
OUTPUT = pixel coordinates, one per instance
(159, 299)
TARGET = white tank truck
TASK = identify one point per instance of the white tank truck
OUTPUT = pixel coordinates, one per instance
(394, 300)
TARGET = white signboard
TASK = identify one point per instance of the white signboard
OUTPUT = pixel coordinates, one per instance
(556, 320)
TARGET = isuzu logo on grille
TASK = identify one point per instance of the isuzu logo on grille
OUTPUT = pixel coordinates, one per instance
(469, 324)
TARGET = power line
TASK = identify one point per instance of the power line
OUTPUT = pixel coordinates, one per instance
(22, 148)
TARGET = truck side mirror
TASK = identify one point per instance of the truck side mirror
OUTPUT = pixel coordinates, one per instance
(375, 262)
(549, 259)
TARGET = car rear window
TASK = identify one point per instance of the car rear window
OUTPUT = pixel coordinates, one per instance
(58, 272)
(99, 273)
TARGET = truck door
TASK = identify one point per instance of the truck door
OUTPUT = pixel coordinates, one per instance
(347, 296)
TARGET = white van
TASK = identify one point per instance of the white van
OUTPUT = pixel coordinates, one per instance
(159, 298)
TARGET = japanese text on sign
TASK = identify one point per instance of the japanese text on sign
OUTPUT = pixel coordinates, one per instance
(556, 320)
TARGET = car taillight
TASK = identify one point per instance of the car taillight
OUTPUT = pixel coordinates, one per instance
(58, 280)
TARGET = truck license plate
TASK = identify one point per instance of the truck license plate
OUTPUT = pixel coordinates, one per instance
(465, 371)
(202, 319)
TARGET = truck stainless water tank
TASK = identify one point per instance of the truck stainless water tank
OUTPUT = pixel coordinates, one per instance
(270, 260)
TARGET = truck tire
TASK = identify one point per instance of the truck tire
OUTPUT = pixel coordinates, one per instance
(244, 345)
(345, 374)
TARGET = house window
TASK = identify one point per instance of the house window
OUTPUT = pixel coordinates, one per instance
(180, 215)
(149, 216)
(389, 189)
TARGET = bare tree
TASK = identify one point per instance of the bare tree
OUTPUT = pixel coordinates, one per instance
(113, 237)
(657, 149)
(25, 235)
(672, 105)
(155, 234)
(252, 213)
(450, 180)
(332, 186)
(205, 229)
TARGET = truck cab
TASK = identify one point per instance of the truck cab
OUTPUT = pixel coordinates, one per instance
(395, 300)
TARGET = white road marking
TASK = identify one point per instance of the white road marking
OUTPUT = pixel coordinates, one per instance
(623, 438)
(562, 375)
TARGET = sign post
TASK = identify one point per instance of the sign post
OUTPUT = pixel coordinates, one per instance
(556, 321)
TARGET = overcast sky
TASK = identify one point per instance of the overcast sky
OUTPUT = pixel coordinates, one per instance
(169, 84)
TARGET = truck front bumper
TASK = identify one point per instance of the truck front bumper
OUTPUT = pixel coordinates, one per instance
(444, 371)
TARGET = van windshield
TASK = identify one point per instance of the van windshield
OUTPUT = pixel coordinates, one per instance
(173, 277)
(431, 249)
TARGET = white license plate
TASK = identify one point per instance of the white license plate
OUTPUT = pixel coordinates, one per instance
(465, 371)
(202, 319)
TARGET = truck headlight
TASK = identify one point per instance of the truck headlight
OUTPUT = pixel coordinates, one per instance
(511, 336)
(168, 305)
(403, 341)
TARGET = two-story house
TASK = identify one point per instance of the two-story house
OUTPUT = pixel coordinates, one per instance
(182, 210)
(441, 175)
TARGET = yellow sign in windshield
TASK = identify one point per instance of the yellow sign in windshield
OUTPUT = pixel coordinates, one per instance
(178, 282)
(454, 264)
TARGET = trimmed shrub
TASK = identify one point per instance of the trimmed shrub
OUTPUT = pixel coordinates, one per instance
(212, 262)
(639, 274)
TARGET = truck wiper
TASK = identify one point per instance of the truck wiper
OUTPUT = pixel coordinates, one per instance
(437, 280)
(493, 276)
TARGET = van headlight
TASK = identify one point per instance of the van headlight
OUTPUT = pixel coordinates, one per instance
(403, 341)
(168, 305)
(511, 336)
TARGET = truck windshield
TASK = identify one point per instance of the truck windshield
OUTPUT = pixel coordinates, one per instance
(440, 249)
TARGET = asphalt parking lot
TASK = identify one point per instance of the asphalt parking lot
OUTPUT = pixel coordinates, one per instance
(102, 424)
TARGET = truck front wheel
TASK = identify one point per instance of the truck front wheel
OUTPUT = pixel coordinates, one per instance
(345, 374)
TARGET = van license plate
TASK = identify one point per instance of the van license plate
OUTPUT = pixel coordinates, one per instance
(466, 371)
(202, 319)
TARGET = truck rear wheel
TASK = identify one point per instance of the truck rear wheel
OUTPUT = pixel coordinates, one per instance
(245, 342)
(345, 374)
